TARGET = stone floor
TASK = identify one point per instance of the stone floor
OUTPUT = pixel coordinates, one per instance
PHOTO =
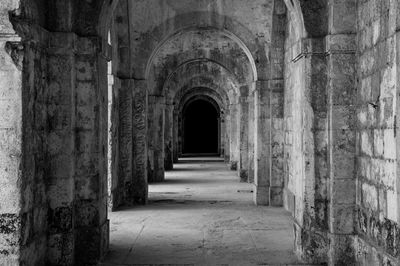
(201, 215)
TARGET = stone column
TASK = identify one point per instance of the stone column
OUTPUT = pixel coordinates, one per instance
(124, 159)
(131, 185)
(90, 134)
(243, 133)
(341, 149)
(250, 140)
(176, 136)
(277, 141)
(116, 183)
(180, 134)
(234, 133)
(222, 136)
(219, 137)
(156, 144)
(262, 144)
(168, 135)
(227, 137)
(140, 136)
(397, 117)
(23, 131)
(62, 149)
(341, 59)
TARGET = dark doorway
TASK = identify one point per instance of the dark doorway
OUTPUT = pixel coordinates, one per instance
(200, 128)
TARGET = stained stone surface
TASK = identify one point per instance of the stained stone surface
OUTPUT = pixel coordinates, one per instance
(91, 100)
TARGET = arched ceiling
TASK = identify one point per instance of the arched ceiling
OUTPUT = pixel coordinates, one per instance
(201, 73)
(154, 24)
(184, 50)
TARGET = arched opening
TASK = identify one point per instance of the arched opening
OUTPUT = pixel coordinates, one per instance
(201, 127)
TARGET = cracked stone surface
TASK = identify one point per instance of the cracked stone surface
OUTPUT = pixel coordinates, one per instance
(201, 215)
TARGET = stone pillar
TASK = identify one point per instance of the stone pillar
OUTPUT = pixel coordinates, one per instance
(227, 137)
(219, 136)
(168, 136)
(342, 147)
(176, 136)
(124, 158)
(62, 148)
(341, 59)
(115, 196)
(243, 133)
(262, 144)
(250, 164)
(234, 133)
(140, 136)
(90, 134)
(131, 185)
(23, 127)
(180, 130)
(397, 117)
(156, 144)
(277, 141)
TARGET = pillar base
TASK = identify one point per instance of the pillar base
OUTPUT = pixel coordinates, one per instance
(244, 176)
(91, 244)
(276, 196)
(311, 245)
(156, 176)
(169, 165)
(341, 250)
(261, 195)
(233, 165)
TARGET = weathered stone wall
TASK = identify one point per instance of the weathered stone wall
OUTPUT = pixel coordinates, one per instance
(90, 136)
(129, 121)
(320, 140)
(294, 98)
(53, 127)
(23, 132)
(377, 213)
(250, 140)
(277, 103)
(305, 193)
(110, 129)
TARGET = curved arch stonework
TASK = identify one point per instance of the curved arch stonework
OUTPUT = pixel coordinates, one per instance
(200, 95)
(187, 92)
(202, 73)
(204, 31)
(174, 56)
(145, 47)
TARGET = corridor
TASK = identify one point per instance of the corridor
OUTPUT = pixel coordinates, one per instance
(201, 215)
